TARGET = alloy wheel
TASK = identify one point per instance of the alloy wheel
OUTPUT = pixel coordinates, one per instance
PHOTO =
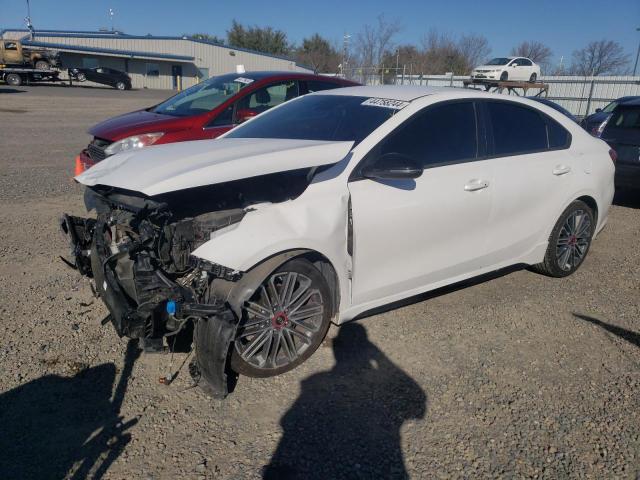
(281, 322)
(573, 240)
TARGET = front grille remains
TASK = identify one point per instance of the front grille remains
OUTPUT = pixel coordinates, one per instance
(96, 149)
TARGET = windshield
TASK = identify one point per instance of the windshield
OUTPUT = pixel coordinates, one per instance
(203, 97)
(499, 61)
(320, 117)
(609, 108)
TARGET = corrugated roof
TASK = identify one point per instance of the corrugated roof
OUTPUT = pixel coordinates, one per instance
(108, 51)
(121, 35)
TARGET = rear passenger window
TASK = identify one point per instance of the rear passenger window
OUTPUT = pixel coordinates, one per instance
(516, 129)
(441, 134)
(558, 136)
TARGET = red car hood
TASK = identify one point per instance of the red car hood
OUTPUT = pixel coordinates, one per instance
(135, 123)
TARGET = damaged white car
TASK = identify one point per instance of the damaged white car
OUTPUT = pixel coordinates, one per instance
(328, 206)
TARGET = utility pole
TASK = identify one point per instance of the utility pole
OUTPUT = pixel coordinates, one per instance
(635, 67)
(28, 20)
(111, 14)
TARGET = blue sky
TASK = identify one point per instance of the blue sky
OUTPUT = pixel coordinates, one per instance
(564, 25)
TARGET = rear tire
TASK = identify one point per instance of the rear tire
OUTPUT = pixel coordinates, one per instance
(13, 79)
(533, 78)
(284, 322)
(121, 86)
(569, 241)
(504, 77)
(42, 65)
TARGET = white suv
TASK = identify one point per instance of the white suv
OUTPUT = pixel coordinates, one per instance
(507, 68)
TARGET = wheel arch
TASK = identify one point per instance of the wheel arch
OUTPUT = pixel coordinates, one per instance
(592, 204)
(237, 293)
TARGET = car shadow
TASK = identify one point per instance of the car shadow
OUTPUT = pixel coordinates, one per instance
(66, 427)
(346, 422)
(632, 337)
(627, 198)
(11, 90)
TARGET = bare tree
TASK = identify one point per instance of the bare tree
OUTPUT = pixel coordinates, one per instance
(474, 49)
(602, 57)
(534, 50)
(374, 41)
(442, 54)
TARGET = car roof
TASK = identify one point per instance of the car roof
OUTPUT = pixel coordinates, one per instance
(634, 102)
(260, 75)
(405, 93)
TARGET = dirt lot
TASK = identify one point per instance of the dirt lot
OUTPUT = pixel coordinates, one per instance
(515, 376)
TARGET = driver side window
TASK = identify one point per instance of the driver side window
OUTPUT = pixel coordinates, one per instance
(439, 135)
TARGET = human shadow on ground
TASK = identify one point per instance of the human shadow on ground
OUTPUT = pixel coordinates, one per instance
(57, 427)
(346, 422)
(631, 337)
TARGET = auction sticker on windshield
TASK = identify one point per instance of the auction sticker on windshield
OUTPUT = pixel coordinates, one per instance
(246, 81)
(385, 103)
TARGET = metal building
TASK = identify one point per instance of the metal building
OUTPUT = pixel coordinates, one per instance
(151, 61)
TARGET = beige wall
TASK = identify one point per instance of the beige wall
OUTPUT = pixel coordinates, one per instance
(217, 59)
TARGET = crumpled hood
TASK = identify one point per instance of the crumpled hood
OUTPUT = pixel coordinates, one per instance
(178, 166)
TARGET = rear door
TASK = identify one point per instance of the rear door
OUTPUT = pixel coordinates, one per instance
(622, 132)
(533, 172)
(409, 234)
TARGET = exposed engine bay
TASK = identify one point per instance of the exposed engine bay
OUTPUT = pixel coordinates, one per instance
(138, 251)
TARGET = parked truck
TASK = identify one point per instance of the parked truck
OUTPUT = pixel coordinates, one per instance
(13, 53)
(23, 64)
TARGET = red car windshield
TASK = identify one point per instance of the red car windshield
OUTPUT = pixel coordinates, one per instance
(203, 97)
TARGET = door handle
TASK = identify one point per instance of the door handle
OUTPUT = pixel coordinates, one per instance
(475, 185)
(561, 170)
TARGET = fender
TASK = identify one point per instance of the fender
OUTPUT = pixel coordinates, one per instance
(316, 221)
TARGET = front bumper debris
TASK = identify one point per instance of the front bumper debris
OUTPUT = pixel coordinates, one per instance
(145, 303)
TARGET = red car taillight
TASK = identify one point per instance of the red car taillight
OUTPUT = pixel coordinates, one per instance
(613, 155)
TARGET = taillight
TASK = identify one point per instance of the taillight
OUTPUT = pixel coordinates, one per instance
(598, 131)
(613, 155)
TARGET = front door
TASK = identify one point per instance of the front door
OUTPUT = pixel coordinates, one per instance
(12, 53)
(410, 235)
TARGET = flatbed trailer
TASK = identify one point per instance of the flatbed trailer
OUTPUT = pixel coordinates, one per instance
(16, 76)
(510, 86)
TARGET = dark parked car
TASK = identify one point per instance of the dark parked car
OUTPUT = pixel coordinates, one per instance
(622, 133)
(555, 106)
(204, 111)
(103, 75)
(593, 121)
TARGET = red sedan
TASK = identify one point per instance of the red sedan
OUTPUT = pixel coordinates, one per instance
(204, 111)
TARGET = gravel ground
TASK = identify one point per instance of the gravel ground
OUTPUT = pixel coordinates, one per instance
(514, 376)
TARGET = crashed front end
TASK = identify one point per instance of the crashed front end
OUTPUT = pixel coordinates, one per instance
(138, 251)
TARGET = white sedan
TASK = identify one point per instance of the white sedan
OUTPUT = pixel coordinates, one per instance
(329, 206)
(507, 68)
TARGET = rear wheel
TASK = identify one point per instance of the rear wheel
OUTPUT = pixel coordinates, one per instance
(504, 77)
(121, 86)
(284, 322)
(13, 79)
(533, 78)
(42, 65)
(569, 241)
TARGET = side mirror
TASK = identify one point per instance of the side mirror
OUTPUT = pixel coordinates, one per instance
(598, 110)
(392, 166)
(245, 114)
